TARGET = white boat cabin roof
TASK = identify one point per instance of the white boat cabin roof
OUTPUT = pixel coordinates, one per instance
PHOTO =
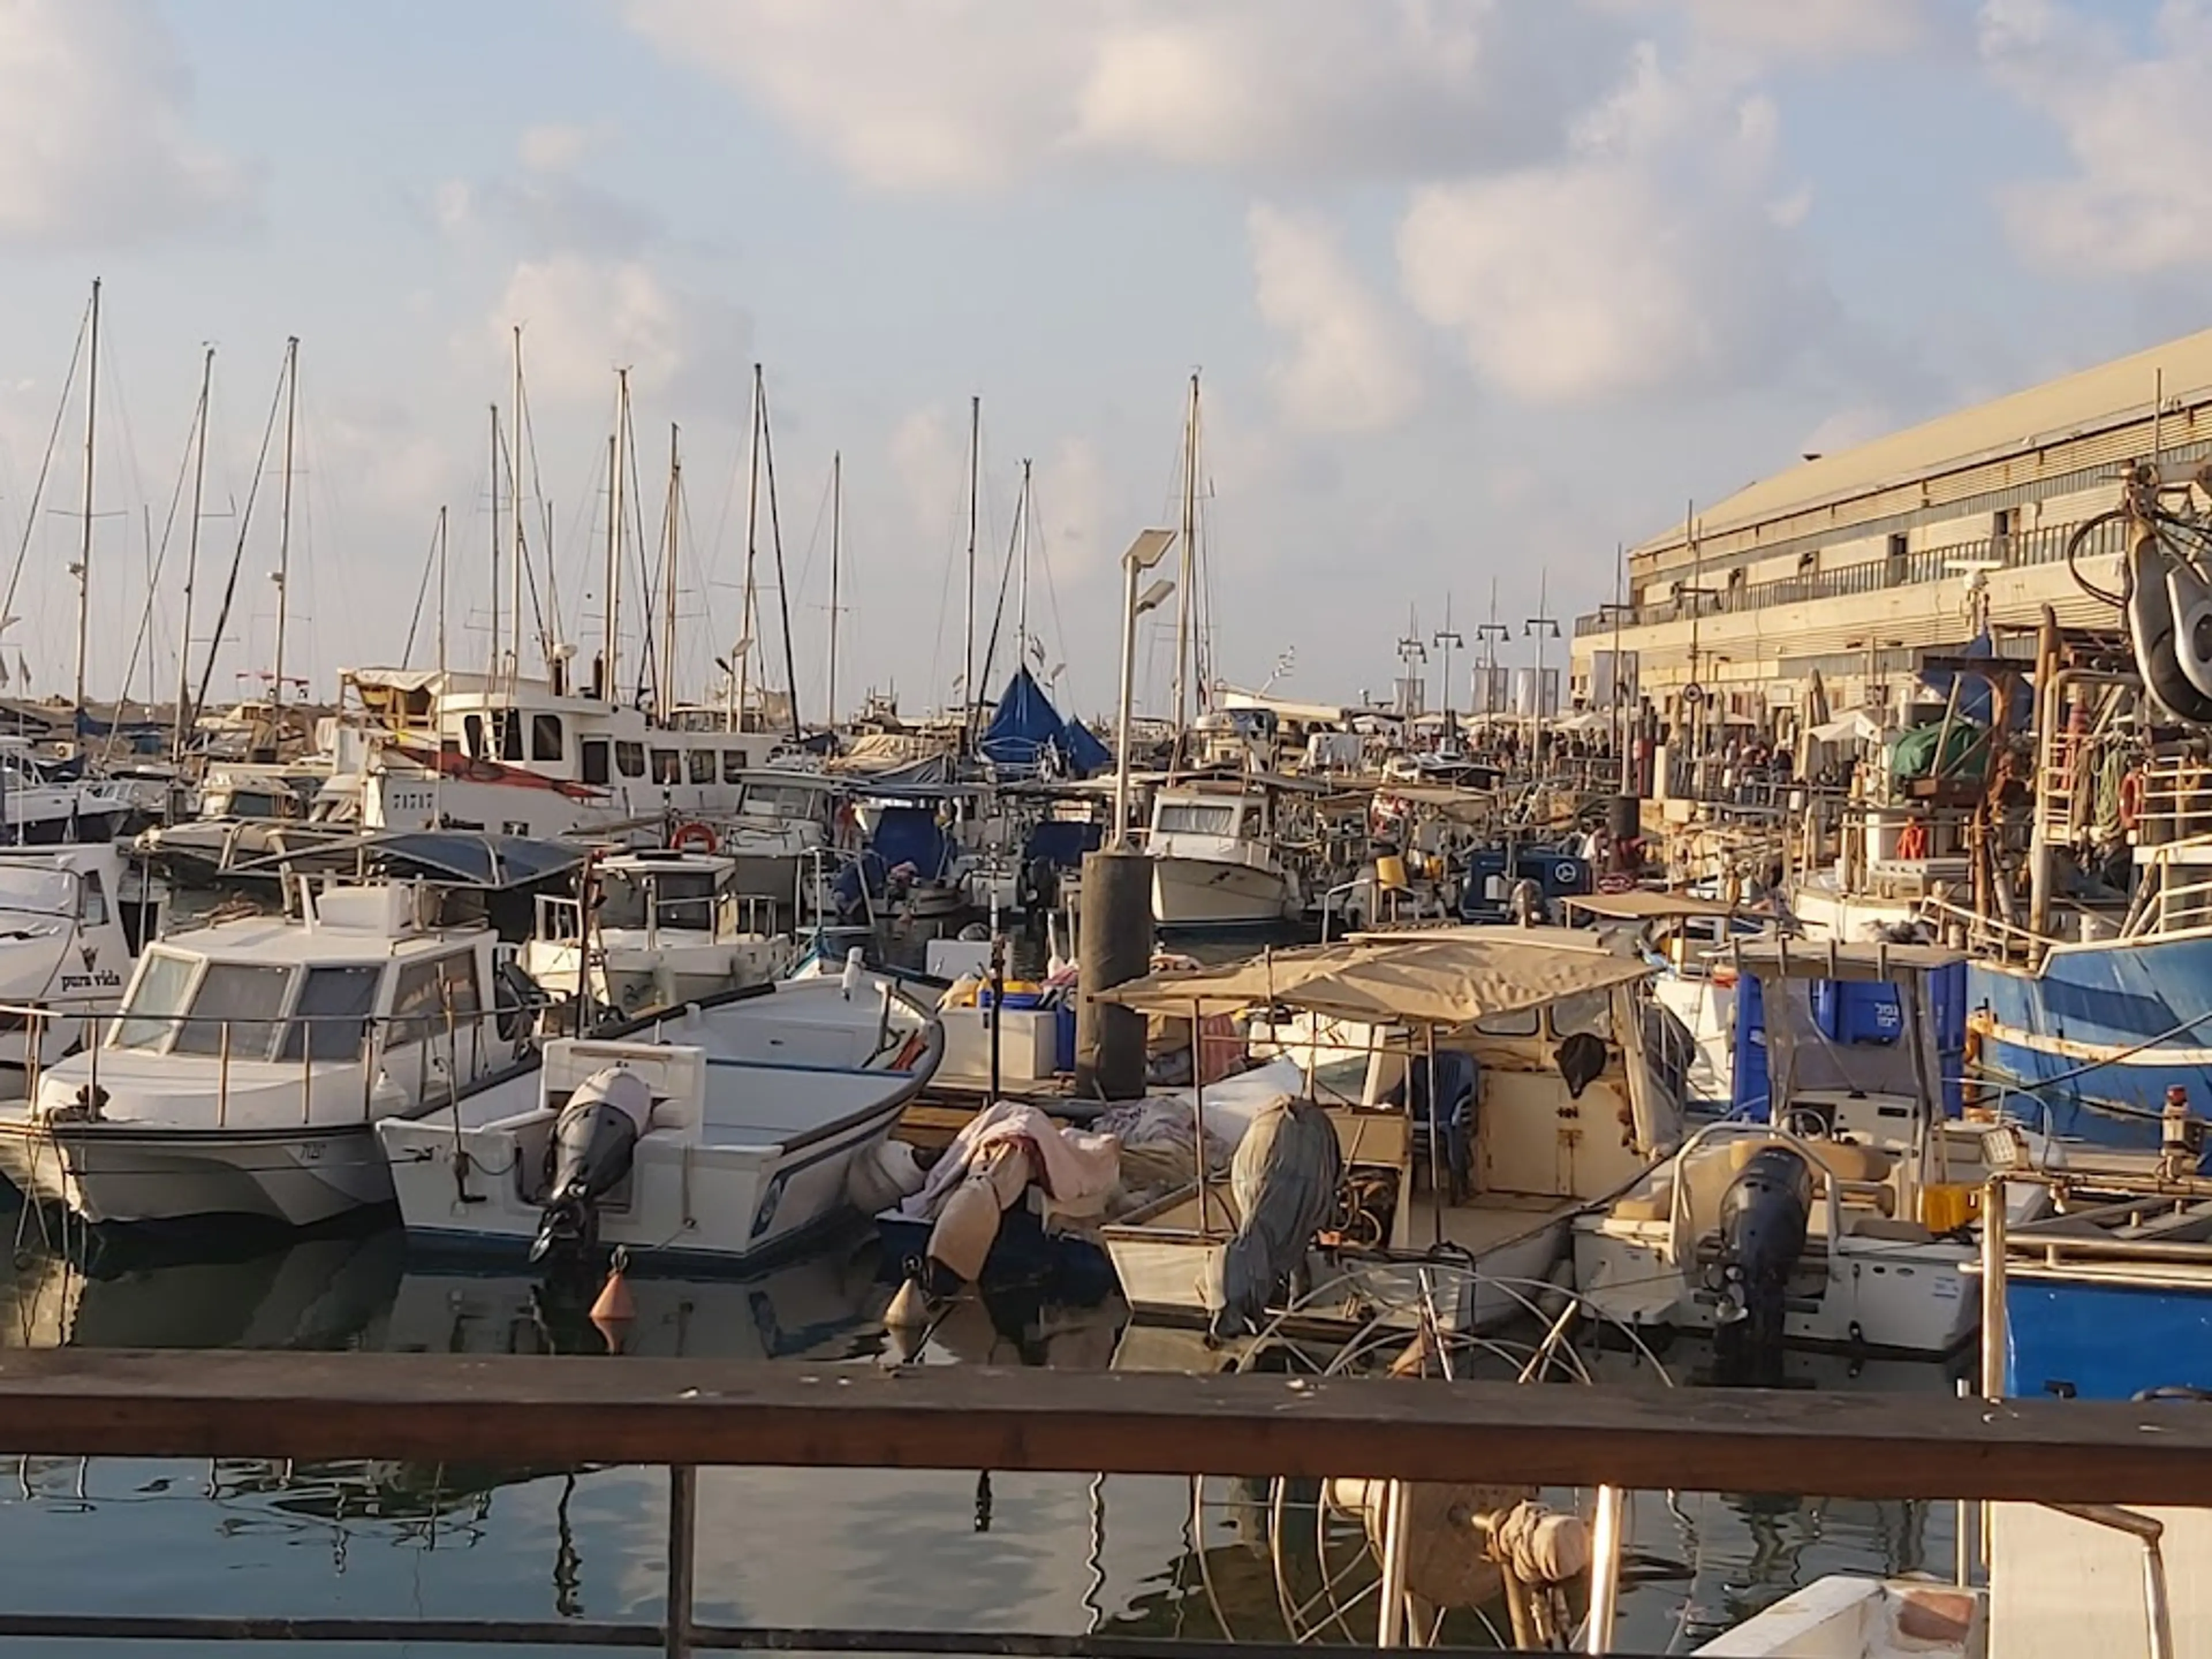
(354, 925)
(666, 861)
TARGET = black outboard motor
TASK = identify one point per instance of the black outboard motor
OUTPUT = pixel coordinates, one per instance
(1763, 1218)
(593, 1141)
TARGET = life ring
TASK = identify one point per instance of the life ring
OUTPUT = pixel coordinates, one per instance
(2131, 799)
(693, 838)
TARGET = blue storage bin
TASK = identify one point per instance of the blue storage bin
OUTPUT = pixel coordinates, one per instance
(1064, 1035)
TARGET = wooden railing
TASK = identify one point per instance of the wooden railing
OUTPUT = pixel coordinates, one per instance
(534, 1411)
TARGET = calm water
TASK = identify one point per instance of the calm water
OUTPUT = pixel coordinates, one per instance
(1056, 1553)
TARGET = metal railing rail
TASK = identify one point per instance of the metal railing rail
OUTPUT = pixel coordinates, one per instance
(531, 1412)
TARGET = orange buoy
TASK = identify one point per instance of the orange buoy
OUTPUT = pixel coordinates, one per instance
(614, 1310)
(693, 838)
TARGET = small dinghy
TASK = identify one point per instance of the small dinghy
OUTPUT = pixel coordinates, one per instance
(730, 1130)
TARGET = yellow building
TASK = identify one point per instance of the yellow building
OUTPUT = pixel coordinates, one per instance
(1860, 564)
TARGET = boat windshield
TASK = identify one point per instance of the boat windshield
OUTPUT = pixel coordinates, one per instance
(782, 800)
(157, 998)
(38, 892)
(682, 899)
(241, 998)
(1177, 818)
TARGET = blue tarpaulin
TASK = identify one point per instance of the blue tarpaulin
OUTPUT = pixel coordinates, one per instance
(911, 835)
(1027, 729)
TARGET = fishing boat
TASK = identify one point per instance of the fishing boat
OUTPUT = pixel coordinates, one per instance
(1503, 1086)
(251, 1058)
(1838, 1214)
(1216, 859)
(733, 1130)
(654, 929)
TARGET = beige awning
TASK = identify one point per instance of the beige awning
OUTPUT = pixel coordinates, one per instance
(1439, 982)
(1638, 905)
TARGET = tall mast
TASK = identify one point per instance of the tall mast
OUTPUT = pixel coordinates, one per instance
(284, 525)
(84, 544)
(975, 473)
(607, 636)
(493, 667)
(1022, 607)
(741, 679)
(516, 564)
(1186, 591)
(668, 579)
(836, 537)
(192, 554)
(782, 580)
(614, 528)
(438, 733)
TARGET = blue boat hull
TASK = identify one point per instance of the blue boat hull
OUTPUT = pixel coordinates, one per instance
(2099, 1033)
(2099, 1338)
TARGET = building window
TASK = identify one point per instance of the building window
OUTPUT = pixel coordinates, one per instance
(545, 736)
(1899, 546)
(595, 760)
(629, 759)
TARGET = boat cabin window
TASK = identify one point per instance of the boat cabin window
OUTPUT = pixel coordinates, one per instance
(508, 722)
(332, 1013)
(91, 900)
(733, 766)
(473, 736)
(681, 898)
(594, 751)
(629, 759)
(425, 989)
(1521, 1023)
(1585, 1011)
(258, 803)
(1196, 818)
(701, 764)
(157, 998)
(667, 767)
(247, 999)
(784, 800)
(546, 741)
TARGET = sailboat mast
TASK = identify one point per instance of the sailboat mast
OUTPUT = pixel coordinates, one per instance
(1022, 605)
(668, 579)
(493, 665)
(606, 638)
(975, 478)
(193, 554)
(284, 526)
(741, 679)
(836, 537)
(1187, 596)
(84, 544)
(615, 527)
(514, 512)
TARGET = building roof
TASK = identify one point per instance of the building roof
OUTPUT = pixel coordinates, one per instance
(2110, 394)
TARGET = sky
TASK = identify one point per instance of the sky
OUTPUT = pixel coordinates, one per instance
(1477, 290)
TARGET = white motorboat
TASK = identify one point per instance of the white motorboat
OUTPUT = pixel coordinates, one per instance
(39, 807)
(251, 1058)
(1862, 1180)
(68, 932)
(1215, 862)
(1514, 1147)
(729, 1130)
(664, 927)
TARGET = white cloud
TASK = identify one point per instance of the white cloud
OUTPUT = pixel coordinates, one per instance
(930, 464)
(96, 144)
(915, 94)
(1819, 29)
(583, 318)
(553, 147)
(1349, 368)
(2139, 129)
(1655, 253)
(1072, 496)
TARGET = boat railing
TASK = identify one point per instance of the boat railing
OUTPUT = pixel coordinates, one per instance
(1986, 934)
(536, 1415)
(438, 1051)
(2176, 808)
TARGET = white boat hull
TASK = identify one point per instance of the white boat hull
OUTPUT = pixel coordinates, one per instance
(126, 1174)
(1191, 892)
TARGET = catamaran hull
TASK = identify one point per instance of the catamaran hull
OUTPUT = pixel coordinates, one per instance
(122, 1174)
(1190, 892)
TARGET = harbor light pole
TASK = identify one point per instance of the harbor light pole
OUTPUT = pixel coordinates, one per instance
(1146, 551)
(1445, 638)
(1540, 627)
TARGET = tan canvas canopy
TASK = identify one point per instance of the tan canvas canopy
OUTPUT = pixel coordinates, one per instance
(1640, 906)
(1447, 983)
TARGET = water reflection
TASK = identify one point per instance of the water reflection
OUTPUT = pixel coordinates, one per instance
(1135, 1555)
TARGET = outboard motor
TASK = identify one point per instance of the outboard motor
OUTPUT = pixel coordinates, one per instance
(1763, 1218)
(593, 1141)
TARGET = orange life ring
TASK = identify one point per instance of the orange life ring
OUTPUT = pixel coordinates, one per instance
(2131, 799)
(693, 838)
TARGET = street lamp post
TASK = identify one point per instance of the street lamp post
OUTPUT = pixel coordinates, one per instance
(1444, 640)
(1540, 627)
(1147, 550)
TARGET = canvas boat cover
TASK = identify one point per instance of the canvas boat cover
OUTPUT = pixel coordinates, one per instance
(1026, 728)
(1445, 983)
(1642, 906)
